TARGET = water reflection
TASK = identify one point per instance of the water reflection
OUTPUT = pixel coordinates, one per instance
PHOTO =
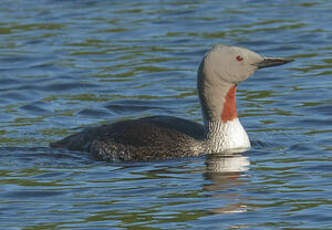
(227, 164)
(225, 172)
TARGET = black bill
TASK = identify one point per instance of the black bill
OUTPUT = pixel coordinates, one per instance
(268, 62)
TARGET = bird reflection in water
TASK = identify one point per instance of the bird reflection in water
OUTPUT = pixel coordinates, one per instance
(226, 171)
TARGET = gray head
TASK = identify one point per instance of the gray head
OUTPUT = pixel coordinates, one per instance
(222, 68)
(235, 64)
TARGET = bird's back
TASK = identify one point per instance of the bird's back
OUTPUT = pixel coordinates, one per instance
(157, 137)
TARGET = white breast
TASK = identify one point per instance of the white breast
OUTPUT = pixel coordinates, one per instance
(227, 136)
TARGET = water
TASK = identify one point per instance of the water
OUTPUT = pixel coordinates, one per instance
(71, 64)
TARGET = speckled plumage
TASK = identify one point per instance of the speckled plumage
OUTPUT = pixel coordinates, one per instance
(157, 137)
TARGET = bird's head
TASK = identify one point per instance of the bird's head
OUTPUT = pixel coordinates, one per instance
(233, 64)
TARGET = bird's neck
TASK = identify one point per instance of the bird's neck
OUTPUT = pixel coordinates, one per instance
(229, 107)
(223, 128)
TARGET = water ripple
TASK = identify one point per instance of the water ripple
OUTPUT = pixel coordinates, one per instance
(66, 65)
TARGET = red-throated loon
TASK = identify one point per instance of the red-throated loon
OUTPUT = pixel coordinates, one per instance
(165, 137)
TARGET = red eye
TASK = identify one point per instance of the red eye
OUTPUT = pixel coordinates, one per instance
(239, 58)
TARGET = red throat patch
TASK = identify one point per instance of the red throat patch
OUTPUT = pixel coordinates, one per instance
(229, 110)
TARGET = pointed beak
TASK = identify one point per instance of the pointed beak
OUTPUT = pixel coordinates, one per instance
(268, 62)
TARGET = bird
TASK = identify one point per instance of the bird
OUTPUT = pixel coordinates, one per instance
(166, 137)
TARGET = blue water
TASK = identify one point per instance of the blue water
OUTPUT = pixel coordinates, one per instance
(65, 65)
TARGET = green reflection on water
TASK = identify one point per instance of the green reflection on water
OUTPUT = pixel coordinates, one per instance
(116, 30)
(5, 31)
(314, 132)
(29, 27)
(86, 97)
(267, 22)
(83, 53)
(312, 67)
(265, 29)
(30, 182)
(118, 75)
(152, 69)
(53, 132)
(214, 35)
